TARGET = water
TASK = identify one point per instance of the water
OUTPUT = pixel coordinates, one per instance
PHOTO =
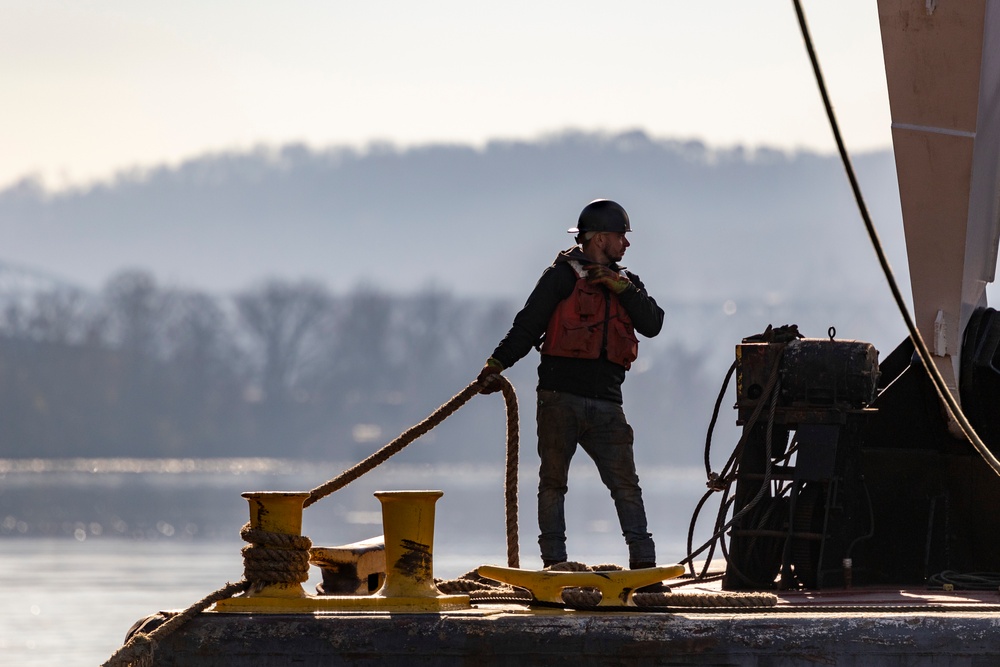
(68, 602)
(87, 548)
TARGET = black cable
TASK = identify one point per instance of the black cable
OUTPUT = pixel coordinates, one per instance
(715, 418)
(944, 393)
(770, 399)
(971, 581)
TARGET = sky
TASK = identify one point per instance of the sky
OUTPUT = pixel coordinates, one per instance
(94, 87)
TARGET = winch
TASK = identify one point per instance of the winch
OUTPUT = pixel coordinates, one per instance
(799, 507)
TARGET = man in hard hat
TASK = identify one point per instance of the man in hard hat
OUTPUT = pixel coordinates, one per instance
(583, 315)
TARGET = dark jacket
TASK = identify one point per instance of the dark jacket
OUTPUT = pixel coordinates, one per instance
(593, 378)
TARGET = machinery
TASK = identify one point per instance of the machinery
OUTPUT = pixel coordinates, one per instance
(879, 482)
(800, 506)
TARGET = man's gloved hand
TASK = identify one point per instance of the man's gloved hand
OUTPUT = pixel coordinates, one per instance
(602, 275)
(492, 368)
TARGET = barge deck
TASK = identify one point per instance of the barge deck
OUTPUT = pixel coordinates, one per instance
(855, 627)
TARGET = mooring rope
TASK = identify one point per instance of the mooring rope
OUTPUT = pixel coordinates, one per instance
(510, 473)
(394, 447)
(274, 558)
(409, 435)
(588, 598)
(139, 649)
(481, 588)
(279, 558)
(269, 558)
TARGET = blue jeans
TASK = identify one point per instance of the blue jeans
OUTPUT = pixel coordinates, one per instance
(600, 428)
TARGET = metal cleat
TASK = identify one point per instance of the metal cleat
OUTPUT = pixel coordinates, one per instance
(616, 586)
(351, 569)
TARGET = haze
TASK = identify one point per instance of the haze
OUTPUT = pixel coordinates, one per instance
(93, 88)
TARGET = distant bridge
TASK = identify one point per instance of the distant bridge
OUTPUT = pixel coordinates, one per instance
(19, 282)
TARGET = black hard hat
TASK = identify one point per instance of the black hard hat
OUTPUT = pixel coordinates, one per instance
(602, 215)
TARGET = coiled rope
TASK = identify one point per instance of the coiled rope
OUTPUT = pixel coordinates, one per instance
(274, 558)
(589, 598)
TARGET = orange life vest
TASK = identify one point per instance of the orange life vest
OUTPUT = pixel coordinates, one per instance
(591, 320)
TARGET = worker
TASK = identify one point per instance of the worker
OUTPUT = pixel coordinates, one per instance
(583, 315)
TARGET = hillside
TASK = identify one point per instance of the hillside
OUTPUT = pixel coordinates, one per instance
(708, 223)
(160, 354)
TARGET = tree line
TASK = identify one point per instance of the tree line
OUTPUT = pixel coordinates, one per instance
(282, 368)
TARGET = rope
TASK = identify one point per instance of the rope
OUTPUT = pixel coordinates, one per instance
(585, 598)
(138, 650)
(582, 598)
(940, 386)
(432, 420)
(274, 558)
(278, 558)
(394, 447)
(575, 566)
(701, 600)
(510, 475)
(270, 558)
(480, 587)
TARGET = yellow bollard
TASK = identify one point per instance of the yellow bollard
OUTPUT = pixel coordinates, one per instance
(408, 526)
(277, 512)
(408, 523)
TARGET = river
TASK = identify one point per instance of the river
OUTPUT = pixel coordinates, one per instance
(88, 547)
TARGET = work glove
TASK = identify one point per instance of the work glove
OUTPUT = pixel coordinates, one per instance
(486, 376)
(602, 275)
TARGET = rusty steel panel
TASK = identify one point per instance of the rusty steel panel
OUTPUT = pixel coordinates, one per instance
(579, 639)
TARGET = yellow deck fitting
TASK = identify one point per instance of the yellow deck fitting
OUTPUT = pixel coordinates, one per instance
(408, 525)
(352, 566)
(277, 512)
(616, 586)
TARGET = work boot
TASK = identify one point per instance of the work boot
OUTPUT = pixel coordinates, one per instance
(550, 563)
(658, 587)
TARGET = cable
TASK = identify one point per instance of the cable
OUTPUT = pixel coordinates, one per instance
(944, 393)
(971, 581)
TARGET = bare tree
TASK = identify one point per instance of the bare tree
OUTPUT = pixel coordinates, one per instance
(136, 310)
(204, 376)
(59, 315)
(284, 321)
